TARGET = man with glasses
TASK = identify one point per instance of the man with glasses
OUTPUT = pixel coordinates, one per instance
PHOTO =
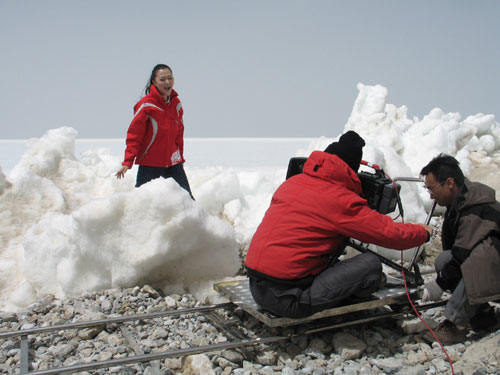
(469, 266)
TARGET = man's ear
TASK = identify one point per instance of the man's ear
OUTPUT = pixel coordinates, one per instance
(450, 182)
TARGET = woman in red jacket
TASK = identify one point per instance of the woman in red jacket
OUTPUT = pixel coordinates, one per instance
(155, 137)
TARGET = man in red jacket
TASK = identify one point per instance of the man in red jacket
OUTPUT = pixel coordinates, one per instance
(310, 217)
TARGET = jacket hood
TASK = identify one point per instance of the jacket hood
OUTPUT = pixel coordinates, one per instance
(331, 168)
(477, 193)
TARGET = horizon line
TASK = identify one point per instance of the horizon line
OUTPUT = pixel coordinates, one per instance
(195, 139)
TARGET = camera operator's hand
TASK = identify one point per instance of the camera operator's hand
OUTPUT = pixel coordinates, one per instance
(432, 291)
(429, 229)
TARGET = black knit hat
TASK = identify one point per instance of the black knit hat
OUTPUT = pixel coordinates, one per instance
(348, 148)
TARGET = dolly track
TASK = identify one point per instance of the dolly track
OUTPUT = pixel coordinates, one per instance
(242, 343)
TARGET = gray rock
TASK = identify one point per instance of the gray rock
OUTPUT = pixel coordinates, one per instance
(159, 333)
(348, 346)
(389, 365)
(62, 350)
(8, 345)
(90, 333)
(232, 356)
(417, 354)
(28, 326)
(416, 326)
(301, 341)
(372, 337)
(266, 358)
(414, 370)
(293, 350)
(152, 370)
(288, 371)
(150, 291)
(8, 317)
(106, 306)
(198, 365)
(13, 352)
(351, 370)
(317, 344)
(224, 363)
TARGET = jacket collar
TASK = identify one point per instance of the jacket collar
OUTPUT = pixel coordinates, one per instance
(470, 194)
(332, 168)
(153, 91)
(473, 193)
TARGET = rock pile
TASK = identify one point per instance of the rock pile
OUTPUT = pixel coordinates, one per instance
(386, 347)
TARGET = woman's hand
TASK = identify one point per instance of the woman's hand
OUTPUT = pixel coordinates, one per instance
(121, 172)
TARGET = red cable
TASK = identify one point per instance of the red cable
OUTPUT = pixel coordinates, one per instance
(409, 297)
(422, 320)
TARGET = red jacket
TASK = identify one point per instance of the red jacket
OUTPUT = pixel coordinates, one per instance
(310, 216)
(155, 137)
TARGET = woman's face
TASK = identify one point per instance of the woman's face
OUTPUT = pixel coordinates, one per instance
(164, 82)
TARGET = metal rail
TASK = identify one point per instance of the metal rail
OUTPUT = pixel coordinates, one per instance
(157, 356)
(119, 319)
(242, 343)
(223, 346)
(24, 333)
(373, 318)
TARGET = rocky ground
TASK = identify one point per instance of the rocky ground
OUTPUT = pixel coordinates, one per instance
(390, 346)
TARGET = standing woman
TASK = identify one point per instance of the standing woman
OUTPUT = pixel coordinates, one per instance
(155, 137)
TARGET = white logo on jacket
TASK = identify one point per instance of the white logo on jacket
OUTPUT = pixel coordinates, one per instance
(176, 157)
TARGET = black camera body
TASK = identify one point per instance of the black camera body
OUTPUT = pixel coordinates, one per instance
(380, 192)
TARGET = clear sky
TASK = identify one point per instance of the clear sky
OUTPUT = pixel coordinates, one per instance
(260, 68)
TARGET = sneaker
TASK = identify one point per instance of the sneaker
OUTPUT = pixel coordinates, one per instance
(448, 333)
(484, 319)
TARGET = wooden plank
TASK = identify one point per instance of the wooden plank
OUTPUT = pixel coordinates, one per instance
(238, 292)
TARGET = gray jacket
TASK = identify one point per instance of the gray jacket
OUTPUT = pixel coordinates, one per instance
(471, 230)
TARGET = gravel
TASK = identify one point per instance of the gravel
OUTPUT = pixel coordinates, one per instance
(391, 346)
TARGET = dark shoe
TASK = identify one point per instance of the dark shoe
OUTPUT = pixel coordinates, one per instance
(484, 319)
(448, 333)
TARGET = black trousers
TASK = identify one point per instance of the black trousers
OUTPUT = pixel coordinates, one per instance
(356, 277)
(146, 174)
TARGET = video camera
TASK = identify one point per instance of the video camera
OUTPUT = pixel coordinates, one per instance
(380, 192)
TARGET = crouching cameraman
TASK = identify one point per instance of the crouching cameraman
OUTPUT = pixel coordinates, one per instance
(311, 216)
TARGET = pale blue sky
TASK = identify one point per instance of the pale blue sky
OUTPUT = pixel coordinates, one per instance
(257, 68)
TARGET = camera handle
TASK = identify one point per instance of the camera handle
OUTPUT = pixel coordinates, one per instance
(414, 278)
